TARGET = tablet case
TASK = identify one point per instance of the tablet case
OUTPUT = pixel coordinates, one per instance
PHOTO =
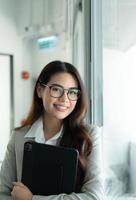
(48, 169)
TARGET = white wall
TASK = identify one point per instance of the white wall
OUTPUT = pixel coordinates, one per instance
(4, 103)
(11, 43)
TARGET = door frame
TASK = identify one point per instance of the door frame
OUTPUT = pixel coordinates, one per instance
(11, 59)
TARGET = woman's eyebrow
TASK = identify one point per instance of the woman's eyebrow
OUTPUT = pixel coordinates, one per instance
(56, 84)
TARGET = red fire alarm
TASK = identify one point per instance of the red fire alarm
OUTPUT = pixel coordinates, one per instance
(25, 75)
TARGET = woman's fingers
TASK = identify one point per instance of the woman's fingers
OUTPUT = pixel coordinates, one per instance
(18, 184)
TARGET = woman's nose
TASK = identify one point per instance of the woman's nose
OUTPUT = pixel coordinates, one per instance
(64, 97)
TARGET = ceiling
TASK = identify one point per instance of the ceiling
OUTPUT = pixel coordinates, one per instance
(41, 16)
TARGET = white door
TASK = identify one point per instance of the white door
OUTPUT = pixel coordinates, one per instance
(5, 99)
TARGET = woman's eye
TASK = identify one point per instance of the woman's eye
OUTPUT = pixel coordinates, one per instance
(55, 89)
(73, 92)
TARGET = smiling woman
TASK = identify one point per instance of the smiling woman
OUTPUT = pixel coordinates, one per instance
(57, 117)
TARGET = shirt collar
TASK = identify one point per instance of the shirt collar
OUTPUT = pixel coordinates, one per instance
(36, 131)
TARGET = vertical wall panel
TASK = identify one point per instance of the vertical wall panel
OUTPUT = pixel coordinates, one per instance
(4, 103)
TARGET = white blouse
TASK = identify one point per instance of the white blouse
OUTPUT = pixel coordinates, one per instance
(36, 131)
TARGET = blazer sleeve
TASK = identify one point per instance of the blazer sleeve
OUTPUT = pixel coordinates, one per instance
(8, 170)
(93, 183)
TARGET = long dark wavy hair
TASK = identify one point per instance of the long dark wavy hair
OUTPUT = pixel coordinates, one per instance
(75, 131)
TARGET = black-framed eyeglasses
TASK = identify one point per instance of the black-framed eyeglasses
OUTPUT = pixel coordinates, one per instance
(57, 91)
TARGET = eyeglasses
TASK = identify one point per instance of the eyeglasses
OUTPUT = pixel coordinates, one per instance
(57, 91)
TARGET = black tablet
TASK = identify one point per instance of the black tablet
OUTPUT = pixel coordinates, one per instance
(48, 169)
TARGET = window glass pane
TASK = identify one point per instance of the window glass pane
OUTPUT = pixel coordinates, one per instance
(119, 96)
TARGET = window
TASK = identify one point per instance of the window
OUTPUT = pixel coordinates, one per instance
(114, 97)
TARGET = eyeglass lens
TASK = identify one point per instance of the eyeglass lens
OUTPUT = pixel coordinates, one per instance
(58, 91)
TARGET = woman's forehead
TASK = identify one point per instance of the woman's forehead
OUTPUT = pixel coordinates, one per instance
(64, 78)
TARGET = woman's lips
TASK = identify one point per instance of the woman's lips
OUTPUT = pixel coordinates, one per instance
(61, 108)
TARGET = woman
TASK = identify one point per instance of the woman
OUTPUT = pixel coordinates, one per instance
(56, 117)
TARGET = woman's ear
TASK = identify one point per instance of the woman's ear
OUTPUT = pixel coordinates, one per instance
(39, 91)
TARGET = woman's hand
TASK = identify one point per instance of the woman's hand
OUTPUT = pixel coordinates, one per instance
(21, 192)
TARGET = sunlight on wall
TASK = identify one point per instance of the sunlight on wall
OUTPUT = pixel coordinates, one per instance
(119, 92)
(119, 103)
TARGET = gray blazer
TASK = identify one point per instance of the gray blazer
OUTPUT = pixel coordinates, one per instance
(11, 169)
